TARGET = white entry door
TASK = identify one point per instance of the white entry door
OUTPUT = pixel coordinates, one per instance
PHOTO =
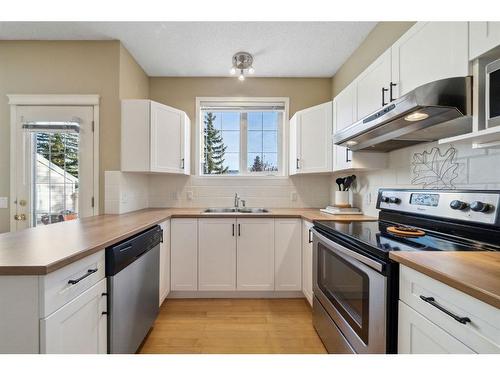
(54, 165)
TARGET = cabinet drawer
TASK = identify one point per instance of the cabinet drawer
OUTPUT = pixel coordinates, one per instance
(418, 335)
(481, 334)
(61, 286)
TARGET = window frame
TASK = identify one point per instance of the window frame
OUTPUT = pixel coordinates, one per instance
(282, 139)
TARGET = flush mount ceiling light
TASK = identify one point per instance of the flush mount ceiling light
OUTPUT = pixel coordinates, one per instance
(416, 116)
(242, 61)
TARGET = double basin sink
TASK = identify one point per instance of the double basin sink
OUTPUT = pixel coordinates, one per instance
(233, 210)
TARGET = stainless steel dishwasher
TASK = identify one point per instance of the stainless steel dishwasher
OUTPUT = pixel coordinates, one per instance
(132, 270)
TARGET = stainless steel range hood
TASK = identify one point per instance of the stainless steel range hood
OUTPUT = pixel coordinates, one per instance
(433, 111)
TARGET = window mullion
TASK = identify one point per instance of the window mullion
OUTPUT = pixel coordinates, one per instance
(243, 142)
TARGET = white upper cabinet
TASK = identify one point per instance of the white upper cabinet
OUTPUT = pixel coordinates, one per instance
(217, 254)
(345, 114)
(311, 143)
(154, 138)
(373, 86)
(483, 36)
(428, 52)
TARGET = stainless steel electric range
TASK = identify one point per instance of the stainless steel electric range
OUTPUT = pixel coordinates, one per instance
(356, 284)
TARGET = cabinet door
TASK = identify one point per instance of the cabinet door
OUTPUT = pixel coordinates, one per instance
(307, 261)
(255, 254)
(288, 254)
(428, 52)
(344, 114)
(165, 262)
(418, 335)
(79, 327)
(483, 36)
(315, 131)
(217, 254)
(372, 86)
(294, 146)
(184, 254)
(186, 146)
(167, 127)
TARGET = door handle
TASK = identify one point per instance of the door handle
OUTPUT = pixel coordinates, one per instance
(310, 240)
(432, 301)
(182, 163)
(233, 230)
(239, 230)
(391, 92)
(384, 90)
(347, 159)
(298, 166)
(20, 217)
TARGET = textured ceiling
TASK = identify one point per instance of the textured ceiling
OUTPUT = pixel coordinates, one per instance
(280, 49)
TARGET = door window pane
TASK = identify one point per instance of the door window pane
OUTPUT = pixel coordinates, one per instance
(55, 177)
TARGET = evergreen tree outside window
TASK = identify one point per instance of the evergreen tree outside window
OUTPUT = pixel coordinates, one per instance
(245, 141)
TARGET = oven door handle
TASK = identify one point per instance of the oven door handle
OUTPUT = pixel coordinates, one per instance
(344, 250)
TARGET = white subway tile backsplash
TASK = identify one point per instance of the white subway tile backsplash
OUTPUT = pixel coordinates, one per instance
(477, 169)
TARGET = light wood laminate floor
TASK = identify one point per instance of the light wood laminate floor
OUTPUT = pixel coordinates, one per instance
(233, 326)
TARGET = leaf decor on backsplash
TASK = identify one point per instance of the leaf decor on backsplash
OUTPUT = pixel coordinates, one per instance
(434, 169)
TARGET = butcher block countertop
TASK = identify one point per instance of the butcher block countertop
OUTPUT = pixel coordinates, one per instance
(474, 273)
(41, 250)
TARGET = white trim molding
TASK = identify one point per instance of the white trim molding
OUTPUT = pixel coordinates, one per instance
(27, 99)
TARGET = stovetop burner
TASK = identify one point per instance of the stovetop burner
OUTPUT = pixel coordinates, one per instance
(405, 231)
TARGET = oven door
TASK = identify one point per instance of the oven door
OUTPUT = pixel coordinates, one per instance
(353, 291)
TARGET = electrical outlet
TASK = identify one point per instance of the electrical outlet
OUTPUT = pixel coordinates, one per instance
(175, 196)
(293, 196)
(189, 195)
(4, 202)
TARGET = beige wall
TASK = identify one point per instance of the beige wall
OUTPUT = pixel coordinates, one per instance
(181, 92)
(134, 83)
(379, 39)
(69, 67)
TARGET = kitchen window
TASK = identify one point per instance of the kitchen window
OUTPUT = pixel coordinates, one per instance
(241, 138)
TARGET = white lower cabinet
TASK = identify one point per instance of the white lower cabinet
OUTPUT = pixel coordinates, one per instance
(307, 261)
(217, 254)
(236, 254)
(255, 254)
(287, 254)
(79, 327)
(184, 254)
(436, 318)
(418, 335)
(165, 261)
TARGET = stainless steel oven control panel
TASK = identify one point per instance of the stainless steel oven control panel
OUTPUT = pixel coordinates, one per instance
(478, 206)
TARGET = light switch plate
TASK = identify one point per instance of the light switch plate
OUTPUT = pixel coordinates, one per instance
(189, 195)
(293, 196)
(4, 202)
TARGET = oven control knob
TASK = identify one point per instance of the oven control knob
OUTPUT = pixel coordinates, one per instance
(458, 205)
(480, 206)
(394, 200)
(385, 199)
